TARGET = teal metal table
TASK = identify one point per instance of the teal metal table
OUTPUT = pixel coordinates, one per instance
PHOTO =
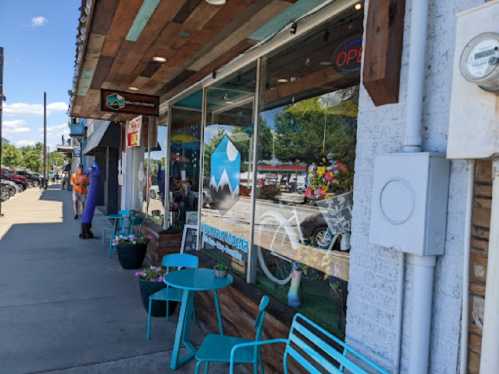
(191, 281)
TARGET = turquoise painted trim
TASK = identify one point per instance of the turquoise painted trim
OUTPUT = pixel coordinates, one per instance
(85, 81)
(292, 13)
(143, 15)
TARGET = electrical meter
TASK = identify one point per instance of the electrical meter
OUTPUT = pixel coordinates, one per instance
(480, 61)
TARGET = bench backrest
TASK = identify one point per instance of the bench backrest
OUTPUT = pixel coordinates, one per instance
(319, 351)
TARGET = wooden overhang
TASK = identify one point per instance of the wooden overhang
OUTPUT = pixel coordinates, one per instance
(119, 39)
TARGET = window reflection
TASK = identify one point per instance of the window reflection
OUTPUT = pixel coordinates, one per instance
(228, 170)
(185, 161)
(155, 182)
(305, 163)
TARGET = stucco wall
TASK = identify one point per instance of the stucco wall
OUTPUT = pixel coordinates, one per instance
(373, 287)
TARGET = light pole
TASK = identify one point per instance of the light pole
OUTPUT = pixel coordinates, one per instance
(45, 181)
(2, 98)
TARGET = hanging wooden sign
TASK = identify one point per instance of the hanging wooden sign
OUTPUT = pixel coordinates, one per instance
(126, 102)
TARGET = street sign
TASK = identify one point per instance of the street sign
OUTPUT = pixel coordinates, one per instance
(132, 103)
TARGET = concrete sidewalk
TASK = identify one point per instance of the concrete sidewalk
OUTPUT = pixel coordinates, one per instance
(65, 307)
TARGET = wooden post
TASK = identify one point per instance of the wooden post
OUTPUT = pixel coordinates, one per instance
(383, 50)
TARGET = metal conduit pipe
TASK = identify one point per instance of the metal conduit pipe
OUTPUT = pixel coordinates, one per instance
(424, 266)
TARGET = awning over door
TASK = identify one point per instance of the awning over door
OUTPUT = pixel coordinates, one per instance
(104, 135)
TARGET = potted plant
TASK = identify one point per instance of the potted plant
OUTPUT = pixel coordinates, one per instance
(221, 270)
(131, 250)
(150, 282)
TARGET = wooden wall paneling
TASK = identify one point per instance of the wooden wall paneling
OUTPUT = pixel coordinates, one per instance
(101, 71)
(383, 50)
(200, 16)
(167, 91)
(480, 232)
(247, 28)
(205, 39)
(186, 10)
(123, 18)
(103, 16)
(130, 58)
(94, 47)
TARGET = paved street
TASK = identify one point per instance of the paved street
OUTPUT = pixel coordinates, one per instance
(65, 307)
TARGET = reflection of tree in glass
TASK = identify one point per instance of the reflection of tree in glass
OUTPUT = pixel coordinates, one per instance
(300, 130)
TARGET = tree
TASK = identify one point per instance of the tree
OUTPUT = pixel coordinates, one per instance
(32, 157)
(11, 156)
(56, 159)
(300, 131)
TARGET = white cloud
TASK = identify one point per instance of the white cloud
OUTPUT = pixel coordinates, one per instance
(61, 129)
(38, 21)
(25, 109)
(24, 142)
(58, 106)
(15, 126)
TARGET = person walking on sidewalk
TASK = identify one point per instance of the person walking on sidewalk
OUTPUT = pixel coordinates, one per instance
(79, 181)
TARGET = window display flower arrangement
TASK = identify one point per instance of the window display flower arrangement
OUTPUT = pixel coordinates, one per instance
(325, 179)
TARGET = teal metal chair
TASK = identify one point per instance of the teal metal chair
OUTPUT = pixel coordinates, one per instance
(218, 348)
(124, 223)
(176, 260)
(315, 350)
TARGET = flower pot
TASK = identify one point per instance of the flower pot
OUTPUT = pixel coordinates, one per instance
(131, 255)
(220, 273)
(158, 308)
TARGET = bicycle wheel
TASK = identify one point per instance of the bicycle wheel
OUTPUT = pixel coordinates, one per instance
(274, 265)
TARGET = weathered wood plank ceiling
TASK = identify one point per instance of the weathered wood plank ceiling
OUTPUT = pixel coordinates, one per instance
(193, 36)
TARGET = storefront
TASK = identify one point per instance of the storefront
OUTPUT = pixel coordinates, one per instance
(266, 155)
(267, 136)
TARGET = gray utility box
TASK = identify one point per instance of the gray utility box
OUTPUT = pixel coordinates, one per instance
(409, 202)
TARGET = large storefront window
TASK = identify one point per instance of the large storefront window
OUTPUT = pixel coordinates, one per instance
(306, 153)
(185, 160)
(228, 170)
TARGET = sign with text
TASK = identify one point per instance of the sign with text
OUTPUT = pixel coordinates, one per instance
(131, 103)
(225, 242)
(348, 55)
(133, 132)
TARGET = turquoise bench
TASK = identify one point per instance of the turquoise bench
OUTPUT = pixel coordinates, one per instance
(315, 350)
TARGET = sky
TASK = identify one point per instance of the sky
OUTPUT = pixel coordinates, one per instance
(38, 37)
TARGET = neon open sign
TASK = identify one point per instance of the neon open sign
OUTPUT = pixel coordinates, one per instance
(348, 55)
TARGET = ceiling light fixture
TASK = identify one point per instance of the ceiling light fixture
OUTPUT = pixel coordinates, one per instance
(358, 6)
(282, 80)
(325, 63)
(159, 59)
(132, 88)
(216, 2)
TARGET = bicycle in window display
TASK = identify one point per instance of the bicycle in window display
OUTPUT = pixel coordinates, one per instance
(287, 238)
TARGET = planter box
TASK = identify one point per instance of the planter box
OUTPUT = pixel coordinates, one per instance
(158, 309)
(131, 256)
(160, 243)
